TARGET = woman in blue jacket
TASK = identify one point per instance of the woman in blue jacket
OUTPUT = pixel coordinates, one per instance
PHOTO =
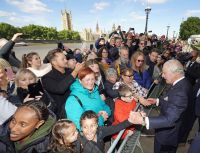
(140, 73)
(85, 96)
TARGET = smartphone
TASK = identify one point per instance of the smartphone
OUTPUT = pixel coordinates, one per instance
(10, 74)
(34, 89)
(91, 46)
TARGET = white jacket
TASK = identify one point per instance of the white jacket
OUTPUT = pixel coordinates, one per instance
(7, 109)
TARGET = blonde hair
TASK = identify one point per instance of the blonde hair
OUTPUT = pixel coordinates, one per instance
(4, 79)
(22, 72)
(134, 59)
(4, 64)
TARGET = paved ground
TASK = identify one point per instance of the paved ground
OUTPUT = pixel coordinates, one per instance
(147, 142)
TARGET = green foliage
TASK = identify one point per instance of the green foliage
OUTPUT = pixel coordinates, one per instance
(7, 30)
(190, 27)
(37, 32)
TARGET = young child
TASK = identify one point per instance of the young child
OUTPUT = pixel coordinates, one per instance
(123, 106)
(91, 131)
(65, 137)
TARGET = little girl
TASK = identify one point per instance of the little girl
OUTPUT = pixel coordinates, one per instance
(65, 137)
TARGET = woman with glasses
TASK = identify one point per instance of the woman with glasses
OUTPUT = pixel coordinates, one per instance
(140, 73)
(105, 60)
(127, 78)
(142, 46)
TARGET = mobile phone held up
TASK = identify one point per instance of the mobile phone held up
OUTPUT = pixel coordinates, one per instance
(91, 47)
(35, 89)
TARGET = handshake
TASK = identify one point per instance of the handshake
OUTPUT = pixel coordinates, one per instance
(140, 117)
(137, 118)
(147, 102)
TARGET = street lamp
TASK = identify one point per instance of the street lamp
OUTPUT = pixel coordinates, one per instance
(167, 32)
(174, 34)
(147, 11)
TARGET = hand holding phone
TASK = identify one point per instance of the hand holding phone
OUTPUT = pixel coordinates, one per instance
(35, 89)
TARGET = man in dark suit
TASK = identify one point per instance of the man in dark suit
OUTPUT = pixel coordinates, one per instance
(197, 100)
(195, 146)
(172, 105)
(192, 71)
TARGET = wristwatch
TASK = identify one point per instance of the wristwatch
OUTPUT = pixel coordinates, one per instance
(143, 123)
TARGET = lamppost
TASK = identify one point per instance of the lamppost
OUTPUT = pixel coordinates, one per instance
(167, 32)
(147, 11)
(174, 34)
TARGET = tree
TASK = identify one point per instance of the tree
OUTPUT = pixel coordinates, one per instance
(37, 32)
(189, 27)
(75, 35)
(7, 30)
(62, 35)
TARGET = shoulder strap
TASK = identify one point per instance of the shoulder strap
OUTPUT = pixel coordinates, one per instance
(79, 101)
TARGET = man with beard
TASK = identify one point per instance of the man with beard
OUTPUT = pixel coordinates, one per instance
(123, 61)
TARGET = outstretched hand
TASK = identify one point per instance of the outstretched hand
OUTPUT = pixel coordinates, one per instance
(144, 101)
(15, 36)
(136, 117)
(152, 100)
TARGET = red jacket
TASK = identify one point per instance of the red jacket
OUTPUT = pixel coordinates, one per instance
(121, 113)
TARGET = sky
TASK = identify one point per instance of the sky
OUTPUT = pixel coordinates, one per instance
(86, 13)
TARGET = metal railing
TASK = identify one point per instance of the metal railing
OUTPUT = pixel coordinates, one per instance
(130, 142)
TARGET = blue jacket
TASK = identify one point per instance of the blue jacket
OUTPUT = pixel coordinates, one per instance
(90, 101)
(144, 80)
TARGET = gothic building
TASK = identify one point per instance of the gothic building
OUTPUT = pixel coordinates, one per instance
(66, 20)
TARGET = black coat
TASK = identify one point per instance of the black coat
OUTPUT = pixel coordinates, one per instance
(109, 90)
(7, 54)
(57, 85)
(193, 72)
(82, 145)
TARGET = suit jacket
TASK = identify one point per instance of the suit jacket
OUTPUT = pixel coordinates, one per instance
(197, 98)
(193, 72)
(195, 147)
(172, 105)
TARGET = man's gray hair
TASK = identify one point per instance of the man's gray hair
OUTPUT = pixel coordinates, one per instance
(174, 66)
(123, 48)
(111, 72)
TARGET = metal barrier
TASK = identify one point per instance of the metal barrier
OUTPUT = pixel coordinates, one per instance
(132, 141)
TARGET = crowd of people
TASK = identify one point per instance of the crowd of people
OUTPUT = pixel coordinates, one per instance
(73, 99)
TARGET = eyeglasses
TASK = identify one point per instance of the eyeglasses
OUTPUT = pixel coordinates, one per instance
(141, 43)
(130, 76)
(140, 61)
(129, 96)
